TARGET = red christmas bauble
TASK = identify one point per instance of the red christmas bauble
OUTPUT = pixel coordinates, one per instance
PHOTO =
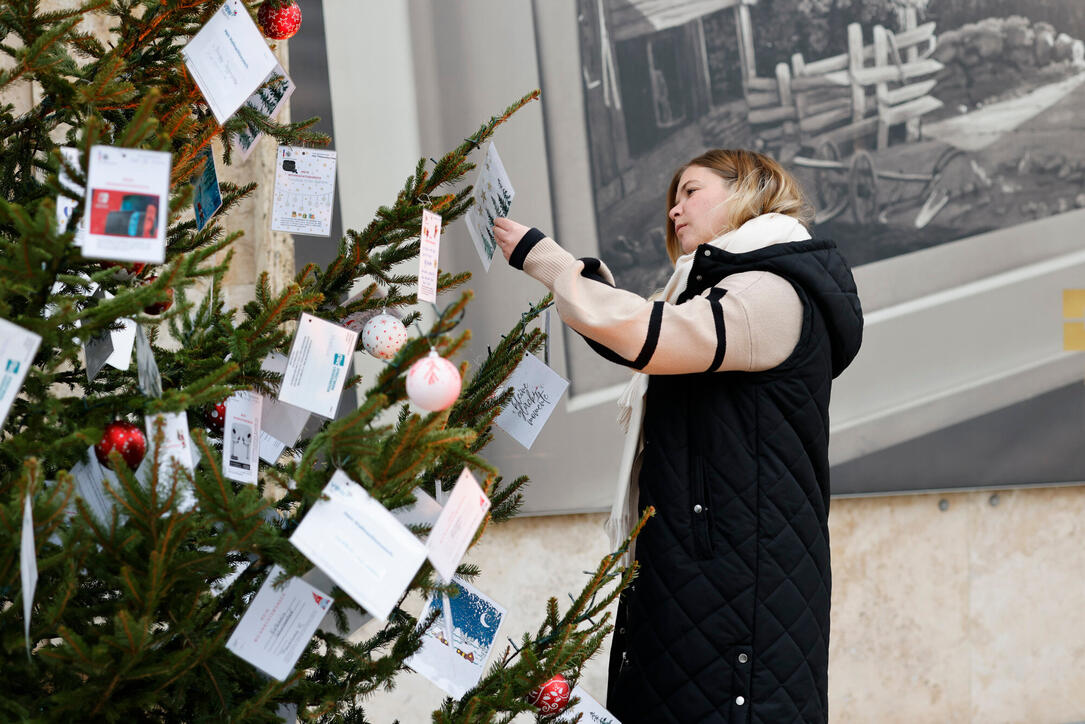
(218, 417)
(552, 696)
(125, 438)
(279, 22)
(158, 307)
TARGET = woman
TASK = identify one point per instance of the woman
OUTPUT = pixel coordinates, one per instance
(728, 620)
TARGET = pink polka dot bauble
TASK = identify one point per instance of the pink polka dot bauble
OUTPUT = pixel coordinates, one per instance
(433, 383)
(383, 336)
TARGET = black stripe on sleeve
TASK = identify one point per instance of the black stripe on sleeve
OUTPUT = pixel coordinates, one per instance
(523, 247)
(655, 322)
(714, 298)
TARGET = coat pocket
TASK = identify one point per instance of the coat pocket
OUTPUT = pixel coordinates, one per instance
(701, 511)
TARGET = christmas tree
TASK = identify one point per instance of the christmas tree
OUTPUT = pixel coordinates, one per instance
(133, 607)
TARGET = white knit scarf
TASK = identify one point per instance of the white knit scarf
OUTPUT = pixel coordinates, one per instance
(756, 233)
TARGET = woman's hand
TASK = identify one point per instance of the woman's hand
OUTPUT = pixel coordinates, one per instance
(508, 233)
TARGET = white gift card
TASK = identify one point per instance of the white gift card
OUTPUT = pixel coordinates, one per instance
(536, 390)
(127, 204)
(228, 59)
(66, 204)
(428, 253)
(493, 194)
(123, 341)
(278, 624)
(591, 711)
(355, 540)
(268, 99)
(270, 448)
(177, 452)
(150, 381)
(206, 194)
(317, 367)
(455, 648)
(28, 566)
(304, 191)
(241, 437)
(452, 533)
(424, 511)
(17, 350)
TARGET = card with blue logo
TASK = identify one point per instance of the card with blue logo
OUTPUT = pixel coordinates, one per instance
(317, 366)
(228, 59)
(17, 350)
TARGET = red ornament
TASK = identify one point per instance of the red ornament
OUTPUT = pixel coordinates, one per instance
(218, 417)
(552, 696)
(158, 307)
(279, 21)
(125, 438)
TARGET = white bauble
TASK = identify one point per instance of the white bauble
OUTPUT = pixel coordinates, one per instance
(433, 383)
(383, 336)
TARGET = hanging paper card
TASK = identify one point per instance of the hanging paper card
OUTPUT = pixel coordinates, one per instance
(228, 59)
(241, 437)
(355, 540)
(304, 191)
(66, 204)
(271, 449)
(90, 485)
(536, 390)
(428, 252)
(206, 195)
(455, 648)
(452, 533)
(177, 452)
(591, 710)
(493, 195)
(17, 350)
(150, 381)
(317, 367)
(424, 511)
(28, 566)
(278, 624)
(268, 99)
(126, 204)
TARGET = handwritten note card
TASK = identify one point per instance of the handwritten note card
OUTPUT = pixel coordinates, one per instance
(536, 390)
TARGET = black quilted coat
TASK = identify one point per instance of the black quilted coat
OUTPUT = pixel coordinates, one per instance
(729, 618)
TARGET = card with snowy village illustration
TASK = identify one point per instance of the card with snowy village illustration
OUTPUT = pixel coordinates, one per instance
(493, 196)
(455, 648)
(269, 99)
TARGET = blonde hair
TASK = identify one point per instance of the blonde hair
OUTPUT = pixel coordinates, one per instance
(759, 185)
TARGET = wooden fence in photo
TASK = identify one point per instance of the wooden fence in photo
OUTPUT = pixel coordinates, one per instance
(854, 95)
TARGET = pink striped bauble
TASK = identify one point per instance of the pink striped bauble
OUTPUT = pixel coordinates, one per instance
(433, 383)
(383, 336)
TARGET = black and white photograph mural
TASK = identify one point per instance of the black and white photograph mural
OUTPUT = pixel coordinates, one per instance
(931, 137)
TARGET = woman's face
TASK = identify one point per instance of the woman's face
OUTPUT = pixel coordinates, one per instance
(700, 212)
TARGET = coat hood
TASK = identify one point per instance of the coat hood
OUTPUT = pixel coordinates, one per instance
(816, 265)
